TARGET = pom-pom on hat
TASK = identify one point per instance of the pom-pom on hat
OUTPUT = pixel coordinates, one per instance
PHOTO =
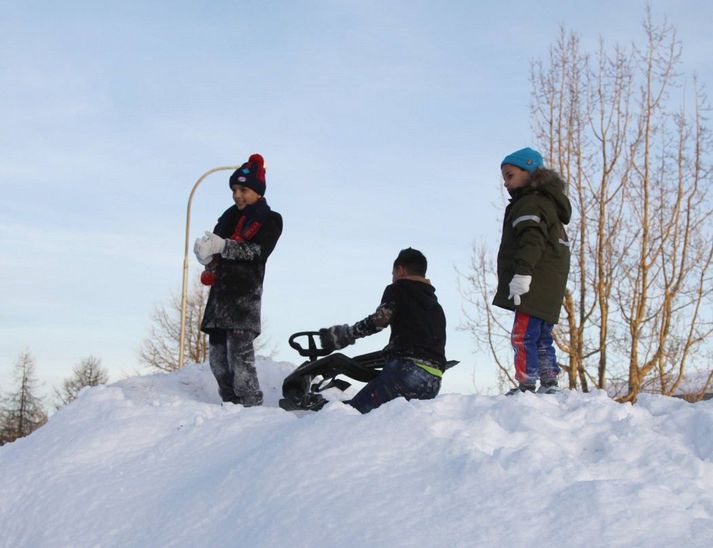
(525, 158)
(251, 174)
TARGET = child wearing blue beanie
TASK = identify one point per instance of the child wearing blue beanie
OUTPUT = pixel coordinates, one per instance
(533, 265)
(526, 159)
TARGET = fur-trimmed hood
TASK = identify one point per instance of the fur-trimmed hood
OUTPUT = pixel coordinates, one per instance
(548, 182)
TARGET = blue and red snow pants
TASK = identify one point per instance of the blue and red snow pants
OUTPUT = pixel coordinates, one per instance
(534, 350)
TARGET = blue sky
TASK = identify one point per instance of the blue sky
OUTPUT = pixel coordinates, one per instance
(382, 123)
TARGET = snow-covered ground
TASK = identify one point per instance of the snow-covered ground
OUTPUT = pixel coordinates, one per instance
(157, 461)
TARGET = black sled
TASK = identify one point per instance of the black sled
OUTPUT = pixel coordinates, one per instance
(301, 388)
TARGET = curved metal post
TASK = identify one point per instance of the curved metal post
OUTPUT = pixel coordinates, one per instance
(184, 290)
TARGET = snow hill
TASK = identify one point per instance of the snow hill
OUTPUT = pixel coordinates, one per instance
(157, 461)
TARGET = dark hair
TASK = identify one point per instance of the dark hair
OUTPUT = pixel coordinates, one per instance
(413, 261)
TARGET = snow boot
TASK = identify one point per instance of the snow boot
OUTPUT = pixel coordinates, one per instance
(548, 387)
(520, 388)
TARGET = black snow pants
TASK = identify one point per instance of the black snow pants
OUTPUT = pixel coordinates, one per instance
(232, 360)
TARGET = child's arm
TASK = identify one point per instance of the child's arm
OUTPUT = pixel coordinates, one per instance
(339, 336)
(241, 251)
(255, 250)
(530, 229)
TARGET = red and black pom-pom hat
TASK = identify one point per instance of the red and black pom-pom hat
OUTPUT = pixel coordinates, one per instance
(251, 174)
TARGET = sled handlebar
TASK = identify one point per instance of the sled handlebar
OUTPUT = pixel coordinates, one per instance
(311, 352)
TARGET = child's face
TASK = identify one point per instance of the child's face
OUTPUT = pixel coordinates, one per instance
(514, 177)
(244, 196)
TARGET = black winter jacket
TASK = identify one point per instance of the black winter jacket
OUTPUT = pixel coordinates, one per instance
(417, 321)
(418, 326)
(534, 242)
(235, 297)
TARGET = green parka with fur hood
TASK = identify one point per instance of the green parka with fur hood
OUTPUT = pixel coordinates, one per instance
(534, 242)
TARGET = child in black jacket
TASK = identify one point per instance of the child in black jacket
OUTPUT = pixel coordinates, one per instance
(235, 254)
(416, 350)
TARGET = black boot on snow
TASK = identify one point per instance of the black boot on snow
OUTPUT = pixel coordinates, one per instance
(548, 387)
(520, 388)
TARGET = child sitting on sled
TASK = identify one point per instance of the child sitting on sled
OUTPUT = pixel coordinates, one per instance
(415, 355)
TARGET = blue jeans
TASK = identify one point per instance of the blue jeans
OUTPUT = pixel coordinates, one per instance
(399, 378)
(534, 350)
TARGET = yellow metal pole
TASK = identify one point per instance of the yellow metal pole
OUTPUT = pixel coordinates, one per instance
(184, 289)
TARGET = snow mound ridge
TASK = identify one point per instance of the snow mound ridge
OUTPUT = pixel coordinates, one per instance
(157, 461)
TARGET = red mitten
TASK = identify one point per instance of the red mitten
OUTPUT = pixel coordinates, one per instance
(207, 277)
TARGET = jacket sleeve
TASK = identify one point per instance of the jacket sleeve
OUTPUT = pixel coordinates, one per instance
(382, 317)
(529, 225)
(258, 249)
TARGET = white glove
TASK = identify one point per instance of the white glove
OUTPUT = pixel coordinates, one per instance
(519, 285)
(208, 245)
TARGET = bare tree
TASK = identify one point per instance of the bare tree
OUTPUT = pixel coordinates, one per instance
(22, 412)
(617, 126)
(666, 284)
(160, 349)
(89, 372)
(703, 388)
(489, 328)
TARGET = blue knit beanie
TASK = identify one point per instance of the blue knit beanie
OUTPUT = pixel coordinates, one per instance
(525, 158)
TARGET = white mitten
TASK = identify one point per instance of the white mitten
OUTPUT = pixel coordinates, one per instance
(208, 245)
(206, 261)
(519, 285)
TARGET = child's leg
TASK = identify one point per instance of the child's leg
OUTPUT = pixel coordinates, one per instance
(399, 378)
(241, 356)
(549, 368)
(378, 390)
(525, 337)
(218, 359)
